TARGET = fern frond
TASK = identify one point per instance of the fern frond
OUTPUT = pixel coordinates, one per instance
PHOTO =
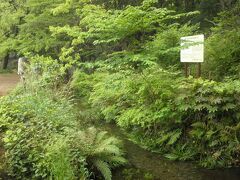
(199, 125)
(175, 136)
(110, 140)
(116, 160)
(101, 151)
(108, 149)
(100, 136)
(91, 134)
(104, 168)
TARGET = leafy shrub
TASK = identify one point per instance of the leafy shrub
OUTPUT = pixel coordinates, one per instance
(41, 138)
(186, 119)
(58, 159)
(165, 45)
(83, 83)
(30, 120)
(222, 47)
(101, 151)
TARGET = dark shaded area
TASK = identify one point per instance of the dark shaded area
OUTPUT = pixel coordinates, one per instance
(147, 165)
(5, 61)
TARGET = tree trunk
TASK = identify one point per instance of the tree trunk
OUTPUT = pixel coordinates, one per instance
(5, 61)
(189, 5)
(178, 4)
(222, 3)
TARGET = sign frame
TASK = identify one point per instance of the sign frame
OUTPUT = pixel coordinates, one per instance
(192, 51)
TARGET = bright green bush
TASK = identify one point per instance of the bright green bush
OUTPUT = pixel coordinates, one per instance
(42, 138)
(185, 119)
(30, 121)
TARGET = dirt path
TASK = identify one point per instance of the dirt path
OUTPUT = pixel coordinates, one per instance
(7, 83)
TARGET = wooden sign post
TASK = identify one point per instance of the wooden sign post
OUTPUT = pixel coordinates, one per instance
(192, 52)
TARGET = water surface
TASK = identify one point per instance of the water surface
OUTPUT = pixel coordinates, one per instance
(144, 162)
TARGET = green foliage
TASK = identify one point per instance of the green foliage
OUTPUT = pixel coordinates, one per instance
(30, 121)
(124, 38)
(42, 138)
(83, 83)
(101, 151)
(165, 46)
(185, 119)
(59, 159)
(120, 34)
(115, 39)
(222, 48)
(128, 56)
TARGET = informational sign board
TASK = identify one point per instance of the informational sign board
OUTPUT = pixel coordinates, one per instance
(192, 49)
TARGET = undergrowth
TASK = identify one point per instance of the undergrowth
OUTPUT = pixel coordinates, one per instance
(44, 138)
(184, 119)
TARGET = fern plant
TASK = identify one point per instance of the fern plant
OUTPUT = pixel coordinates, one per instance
(58, 160)
(164, 113)
(101, 151)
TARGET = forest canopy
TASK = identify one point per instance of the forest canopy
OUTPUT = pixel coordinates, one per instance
(118, 33)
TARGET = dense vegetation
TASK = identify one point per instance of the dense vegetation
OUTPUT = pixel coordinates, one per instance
(185, 119)
(44, 137)
(125, 59)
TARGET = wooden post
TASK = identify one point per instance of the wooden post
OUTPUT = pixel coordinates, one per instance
(186, 69)
(199, 72)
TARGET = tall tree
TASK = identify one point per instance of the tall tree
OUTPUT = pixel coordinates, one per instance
(10, 15)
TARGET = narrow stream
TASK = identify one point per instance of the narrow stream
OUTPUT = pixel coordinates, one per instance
(147, 165)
